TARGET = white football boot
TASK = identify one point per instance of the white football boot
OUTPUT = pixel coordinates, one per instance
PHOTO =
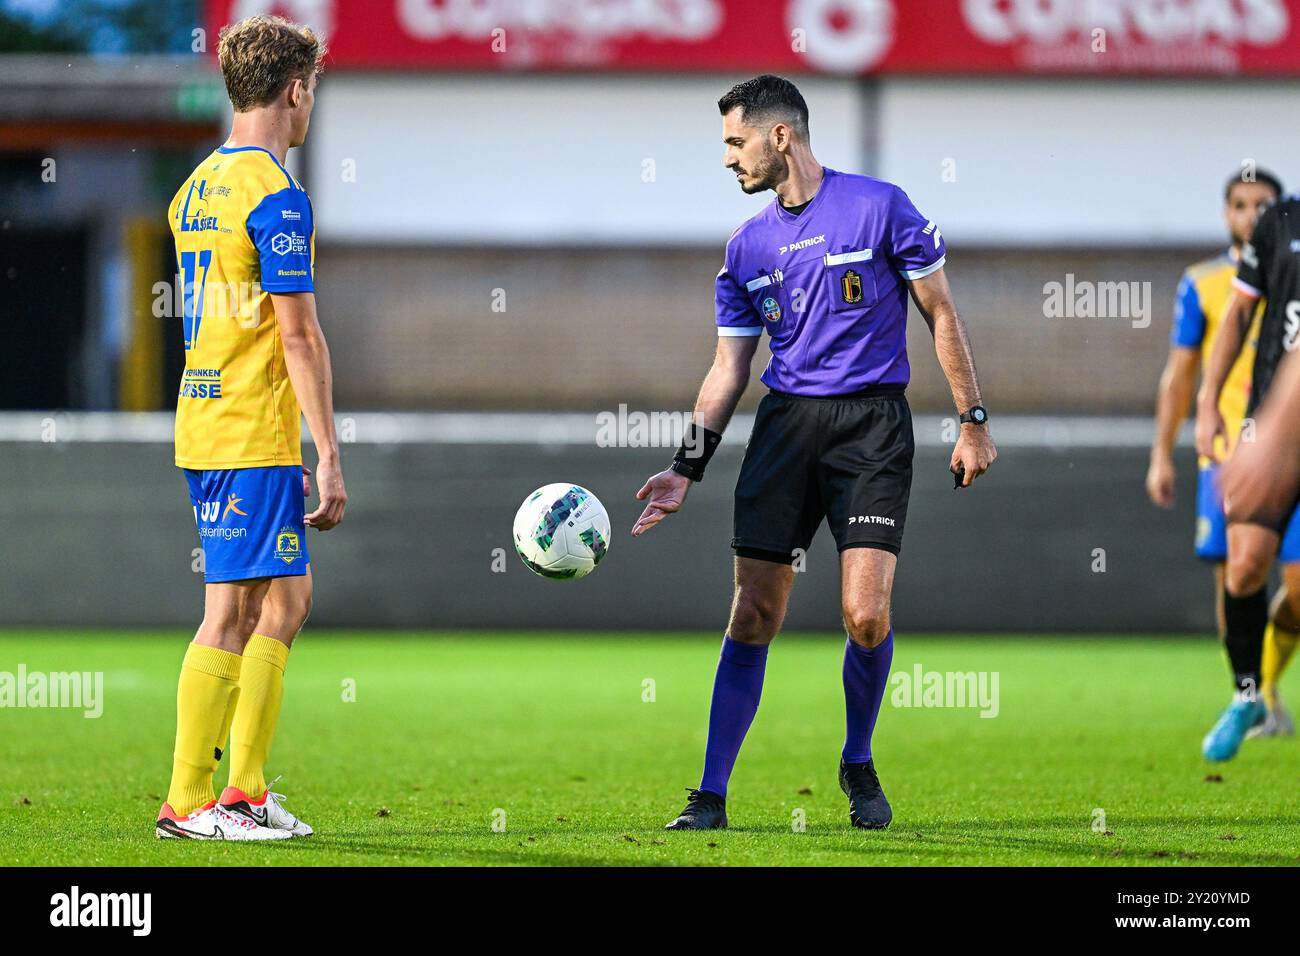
(210, 822)
(264, 811)
(1278, 722)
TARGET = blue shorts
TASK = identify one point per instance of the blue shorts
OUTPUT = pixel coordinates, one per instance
(1212, 525)
(250, 522)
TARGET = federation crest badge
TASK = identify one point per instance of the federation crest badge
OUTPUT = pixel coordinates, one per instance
(287, 547)
(851, 287)
(771, 309)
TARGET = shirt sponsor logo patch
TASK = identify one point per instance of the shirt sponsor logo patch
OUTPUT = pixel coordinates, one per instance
(289, 244)
(201, 383)
(196, 219)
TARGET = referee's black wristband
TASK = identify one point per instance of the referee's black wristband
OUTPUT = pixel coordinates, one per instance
(698, 446)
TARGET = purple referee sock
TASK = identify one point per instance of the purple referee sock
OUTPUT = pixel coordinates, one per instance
(736, 690)
(866, 671)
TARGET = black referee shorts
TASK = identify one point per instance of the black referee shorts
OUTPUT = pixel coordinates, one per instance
(847, 459)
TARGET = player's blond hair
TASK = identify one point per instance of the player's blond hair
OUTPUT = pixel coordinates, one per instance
(261, 55)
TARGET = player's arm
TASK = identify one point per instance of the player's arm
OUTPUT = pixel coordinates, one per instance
(975, 450)
(1177, 389)
(1174, 398)
(1227, 346)
(714, 406)
(307, 357)
(1248, 287)
(282, 230)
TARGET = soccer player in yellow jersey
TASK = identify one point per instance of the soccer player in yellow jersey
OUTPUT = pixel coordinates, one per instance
(1203, 296)
(255, 362)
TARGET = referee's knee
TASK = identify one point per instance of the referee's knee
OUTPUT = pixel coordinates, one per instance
(867, 624)
(755, 618)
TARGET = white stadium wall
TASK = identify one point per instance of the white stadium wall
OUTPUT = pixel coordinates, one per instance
(579, 160)
(630, 160)
(1134, 163)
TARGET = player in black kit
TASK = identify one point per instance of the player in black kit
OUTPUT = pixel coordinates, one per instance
(1270, 269)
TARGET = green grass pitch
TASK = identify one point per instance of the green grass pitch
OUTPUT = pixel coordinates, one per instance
(448, 732)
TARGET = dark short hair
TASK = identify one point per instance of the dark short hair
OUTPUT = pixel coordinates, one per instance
(1253, 176)
(768, 97)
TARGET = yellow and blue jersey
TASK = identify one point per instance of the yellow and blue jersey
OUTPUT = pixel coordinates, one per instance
(1203, 296)
(243, 229)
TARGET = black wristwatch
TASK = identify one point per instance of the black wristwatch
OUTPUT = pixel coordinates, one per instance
(978, 415)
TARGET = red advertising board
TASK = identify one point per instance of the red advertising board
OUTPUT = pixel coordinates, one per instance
(1073, 37)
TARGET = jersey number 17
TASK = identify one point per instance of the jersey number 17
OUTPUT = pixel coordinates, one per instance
(191, 262)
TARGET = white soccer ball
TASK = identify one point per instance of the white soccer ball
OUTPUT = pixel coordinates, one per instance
(561, 531)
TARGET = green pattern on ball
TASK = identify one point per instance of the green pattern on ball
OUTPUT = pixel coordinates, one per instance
(594, 540)
(557, 514)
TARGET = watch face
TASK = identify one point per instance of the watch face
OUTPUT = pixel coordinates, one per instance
(979, 415)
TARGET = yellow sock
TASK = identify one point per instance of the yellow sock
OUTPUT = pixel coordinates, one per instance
(261, 686)
(205, 696)
(1279, 646)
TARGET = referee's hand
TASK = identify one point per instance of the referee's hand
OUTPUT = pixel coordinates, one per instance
(974, 453)
(666, 491)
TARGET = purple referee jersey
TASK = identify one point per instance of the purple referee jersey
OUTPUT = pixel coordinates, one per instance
(828, 285)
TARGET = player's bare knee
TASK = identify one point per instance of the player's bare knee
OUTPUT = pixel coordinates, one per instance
(224, 627)
(1247, 572)
(226, 635)
(249, 615)
(302, 608)
(288, 610)
(867, 624)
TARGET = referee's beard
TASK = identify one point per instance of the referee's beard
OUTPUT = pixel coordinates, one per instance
(770, 172)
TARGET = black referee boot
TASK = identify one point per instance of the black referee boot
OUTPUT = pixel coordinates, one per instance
(868, 808)
(705, 810)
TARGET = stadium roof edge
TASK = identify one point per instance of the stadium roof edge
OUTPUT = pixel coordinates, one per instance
(41, 87)
(77, 69)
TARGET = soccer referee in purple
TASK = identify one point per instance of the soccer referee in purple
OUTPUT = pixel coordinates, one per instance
(826, 269)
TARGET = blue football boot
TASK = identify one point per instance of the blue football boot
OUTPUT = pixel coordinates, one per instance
(1225, 737)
